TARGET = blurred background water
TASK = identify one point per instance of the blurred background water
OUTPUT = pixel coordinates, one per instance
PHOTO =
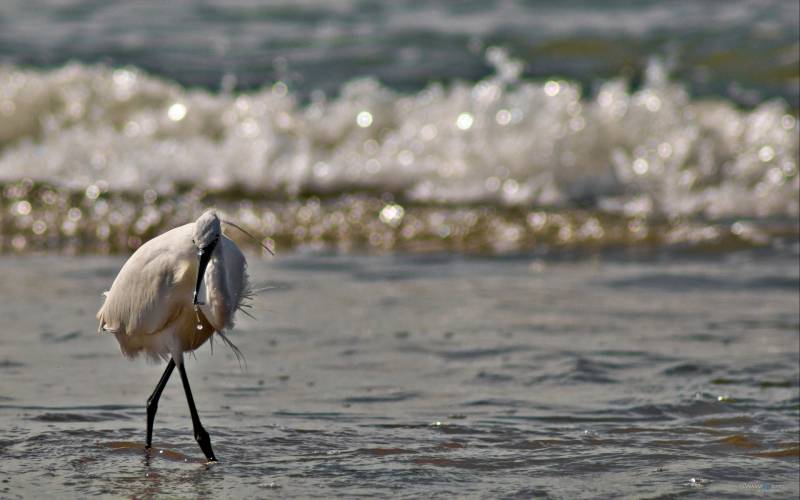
(471, 126)
(525, 248)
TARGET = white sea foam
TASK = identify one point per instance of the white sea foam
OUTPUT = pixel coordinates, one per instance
(502, 140)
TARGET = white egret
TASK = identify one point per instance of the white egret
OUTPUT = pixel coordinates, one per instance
(171, 296)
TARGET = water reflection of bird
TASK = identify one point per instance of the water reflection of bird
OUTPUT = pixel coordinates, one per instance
(158, 305)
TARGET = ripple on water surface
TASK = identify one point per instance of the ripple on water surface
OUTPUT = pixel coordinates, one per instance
(485, 377)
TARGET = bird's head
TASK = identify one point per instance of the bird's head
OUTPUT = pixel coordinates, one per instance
(206, 235)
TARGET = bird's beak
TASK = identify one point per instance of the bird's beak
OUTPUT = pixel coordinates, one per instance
(203, 255)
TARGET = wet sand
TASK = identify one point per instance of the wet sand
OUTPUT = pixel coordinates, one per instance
(420, 376)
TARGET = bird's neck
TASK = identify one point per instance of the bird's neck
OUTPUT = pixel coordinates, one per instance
(217, 290)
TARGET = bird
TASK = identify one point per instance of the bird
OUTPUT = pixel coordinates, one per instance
(175, 292)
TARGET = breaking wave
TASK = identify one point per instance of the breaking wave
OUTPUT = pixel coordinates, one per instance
(503, 141)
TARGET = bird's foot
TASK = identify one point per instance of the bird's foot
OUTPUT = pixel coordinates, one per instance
(204, 440)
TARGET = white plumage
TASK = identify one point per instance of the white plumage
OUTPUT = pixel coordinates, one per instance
(171, 296)
(149, 307)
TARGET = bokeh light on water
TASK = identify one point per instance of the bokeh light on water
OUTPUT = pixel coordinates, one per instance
(94, 159)
(38, 217)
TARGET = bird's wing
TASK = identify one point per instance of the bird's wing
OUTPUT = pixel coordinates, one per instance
(150, 287)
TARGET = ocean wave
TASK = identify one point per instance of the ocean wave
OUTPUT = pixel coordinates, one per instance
(503, 141)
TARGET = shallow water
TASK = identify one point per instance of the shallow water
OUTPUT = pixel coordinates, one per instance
(419, 376)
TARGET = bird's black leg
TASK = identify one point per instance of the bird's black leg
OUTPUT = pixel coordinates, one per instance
(152, 401)
(200, 434)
